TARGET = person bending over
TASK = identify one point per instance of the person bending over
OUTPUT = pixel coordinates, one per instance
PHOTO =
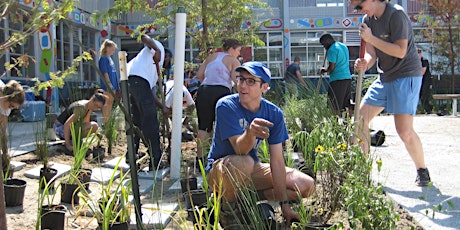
(78, 113)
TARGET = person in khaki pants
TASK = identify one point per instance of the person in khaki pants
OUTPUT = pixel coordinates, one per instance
(243, 121)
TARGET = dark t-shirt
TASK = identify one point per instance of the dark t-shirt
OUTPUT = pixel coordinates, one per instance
(80, 105)
(291, 70)
(395, 25)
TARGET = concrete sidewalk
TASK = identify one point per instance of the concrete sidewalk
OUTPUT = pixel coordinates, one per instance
(440, 136)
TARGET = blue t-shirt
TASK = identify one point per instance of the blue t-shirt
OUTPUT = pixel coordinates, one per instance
(338, 54)
(106, 65)
(233, 119)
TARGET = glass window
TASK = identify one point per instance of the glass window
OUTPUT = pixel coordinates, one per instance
(272, 53)
(20, 53)
(260, 54)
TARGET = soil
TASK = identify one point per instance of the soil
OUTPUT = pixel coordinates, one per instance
(25, 217)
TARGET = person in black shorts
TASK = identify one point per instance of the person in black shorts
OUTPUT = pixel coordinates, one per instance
(217, 75)
(339, 92)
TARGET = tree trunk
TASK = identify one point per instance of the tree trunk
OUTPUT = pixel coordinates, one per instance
(452, 57)
(3, 225)
(204, 9)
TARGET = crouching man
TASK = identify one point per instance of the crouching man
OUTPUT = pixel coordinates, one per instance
(243, 121)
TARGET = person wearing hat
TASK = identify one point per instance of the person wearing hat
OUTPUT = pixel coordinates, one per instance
(243, 121)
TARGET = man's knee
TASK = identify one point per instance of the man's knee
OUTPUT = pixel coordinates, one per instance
(240, 163)
(304, 183)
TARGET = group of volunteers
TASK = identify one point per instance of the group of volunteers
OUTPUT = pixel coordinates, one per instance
(235, 124)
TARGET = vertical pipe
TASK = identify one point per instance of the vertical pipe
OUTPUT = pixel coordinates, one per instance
(179, 54)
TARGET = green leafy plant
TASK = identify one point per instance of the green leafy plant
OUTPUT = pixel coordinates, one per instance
(80, 148)
(41, 146)
(45, 197)
(110, 130)
(5, 157)
(112, 205)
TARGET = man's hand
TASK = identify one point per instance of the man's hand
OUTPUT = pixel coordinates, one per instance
(166, 111)
(259, 128)
(360, 64)
(323, 70)
(289, 214)
(365, 32)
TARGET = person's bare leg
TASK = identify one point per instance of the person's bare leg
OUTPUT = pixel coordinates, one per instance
(405, 129)
(366, 113)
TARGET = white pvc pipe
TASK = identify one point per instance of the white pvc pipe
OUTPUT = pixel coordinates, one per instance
(179, 59)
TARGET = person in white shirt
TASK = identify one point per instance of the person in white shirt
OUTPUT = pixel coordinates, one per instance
(12, 95)
(188, 104)
(142, 77)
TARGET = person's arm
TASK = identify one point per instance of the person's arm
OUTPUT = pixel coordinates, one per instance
(299, 76)
(278, 169)
(424, 66)
(396, 49)
(243, 143)
(329, 69)
(370, 57)
(158, 103)
(149, 42)
(67, 133)
(233, 74)
(202, 69)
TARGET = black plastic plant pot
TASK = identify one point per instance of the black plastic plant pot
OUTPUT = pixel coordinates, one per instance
(46, 175)
(188, 184)
(98, 153)
(116, 226)
(84, 176)
(14, 190)
(195, 198)
(53, 217)
(69, 193)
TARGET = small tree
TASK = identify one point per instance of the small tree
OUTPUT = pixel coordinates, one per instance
(41, 15)
(444, 31)
(208, 21)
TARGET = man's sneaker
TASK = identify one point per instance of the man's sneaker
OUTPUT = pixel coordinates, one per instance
(423, 177)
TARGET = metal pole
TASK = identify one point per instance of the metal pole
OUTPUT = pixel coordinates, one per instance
(130, 138)
(179, 55)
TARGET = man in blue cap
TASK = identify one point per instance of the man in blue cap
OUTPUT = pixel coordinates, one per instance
(243, 121)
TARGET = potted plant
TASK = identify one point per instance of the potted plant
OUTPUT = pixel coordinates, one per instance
(41, 150)
(49, 215)
(70, 187)
(13, 188)
(112, 208)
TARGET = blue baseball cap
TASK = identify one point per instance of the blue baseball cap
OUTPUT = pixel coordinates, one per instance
(256, 69)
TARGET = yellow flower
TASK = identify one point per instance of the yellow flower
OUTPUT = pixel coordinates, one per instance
(342, 146)
(319, 148)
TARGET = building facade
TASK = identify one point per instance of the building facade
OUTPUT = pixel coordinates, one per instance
(293, 29)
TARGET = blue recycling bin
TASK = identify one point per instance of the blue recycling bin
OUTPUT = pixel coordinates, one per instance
(33, 110)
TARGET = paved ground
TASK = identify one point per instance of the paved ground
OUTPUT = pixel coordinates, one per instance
(441, 141)
(440, 136)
